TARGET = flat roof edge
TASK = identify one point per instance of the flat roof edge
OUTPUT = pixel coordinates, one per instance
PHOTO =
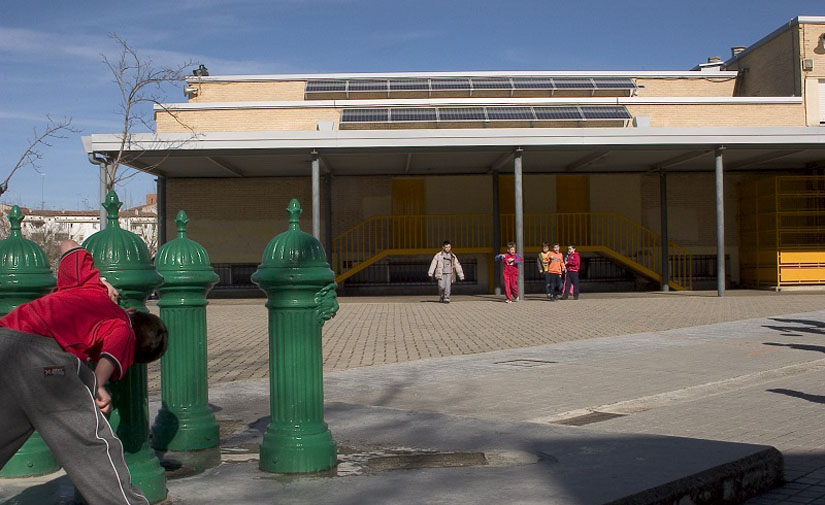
(803, 135)
(419, 75)
(440, 102)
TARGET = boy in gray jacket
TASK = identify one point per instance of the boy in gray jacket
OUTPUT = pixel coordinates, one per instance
(444, 268)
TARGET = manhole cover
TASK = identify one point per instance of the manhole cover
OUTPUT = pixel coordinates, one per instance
(436, 460)
(593, 417)
(525, 363)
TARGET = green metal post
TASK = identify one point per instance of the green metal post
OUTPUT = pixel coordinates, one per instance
(184, 422)
(300, 289)
(24, 276)
(124, 260)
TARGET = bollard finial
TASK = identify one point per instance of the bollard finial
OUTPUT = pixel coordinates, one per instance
(181, 221)
(294, 211)
(112, 205)
(15, 217)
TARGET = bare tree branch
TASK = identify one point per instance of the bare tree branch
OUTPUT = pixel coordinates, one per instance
(141, 85)
(39, 139)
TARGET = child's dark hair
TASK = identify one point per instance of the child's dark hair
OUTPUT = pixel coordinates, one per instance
(555, 244)
(545, 244)
(572, 246)
(511, 244)
(446, 242)
(151, 336)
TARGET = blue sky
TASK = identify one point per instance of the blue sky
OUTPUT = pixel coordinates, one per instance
(50, 54)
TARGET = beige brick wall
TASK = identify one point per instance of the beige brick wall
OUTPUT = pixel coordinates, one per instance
(814, 49)
(617, 193)
(244, 120)
(710, 86)
(307, 119)
(722, 115)
(235, 218)
(771, 69)
(455, 194)
(248, 91)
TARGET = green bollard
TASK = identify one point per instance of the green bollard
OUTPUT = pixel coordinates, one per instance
(300, 289)
(24, 276)
(124, 260)
(184, 422)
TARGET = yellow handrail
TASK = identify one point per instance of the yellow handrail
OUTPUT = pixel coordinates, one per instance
(607, 233)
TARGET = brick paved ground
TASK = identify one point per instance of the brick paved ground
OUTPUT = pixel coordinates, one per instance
(371, 331)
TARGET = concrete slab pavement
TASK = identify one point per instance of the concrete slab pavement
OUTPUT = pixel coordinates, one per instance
(753, 381)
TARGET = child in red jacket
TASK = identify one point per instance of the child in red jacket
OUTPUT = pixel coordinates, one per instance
(510, 260)
(45, 346)
(573, 265)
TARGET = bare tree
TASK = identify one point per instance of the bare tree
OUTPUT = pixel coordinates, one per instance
(40, 138)
(142, 85)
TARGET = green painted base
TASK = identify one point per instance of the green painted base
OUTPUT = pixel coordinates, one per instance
(34, 458)
(185, 430)
(282, 452)
(147, 474)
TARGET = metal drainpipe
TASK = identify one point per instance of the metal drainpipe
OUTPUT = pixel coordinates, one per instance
(103, 172)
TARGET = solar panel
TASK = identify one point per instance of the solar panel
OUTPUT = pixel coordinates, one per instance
(412, 114)
(573, 83)
(614, 83)
(409, 84)
(326, 86)
(557, 113)
(450, 84)
(606, 112)
(365, 115)
(491, 83)
(522, 83)
(462, 114)
(511, 113)
(368, 85)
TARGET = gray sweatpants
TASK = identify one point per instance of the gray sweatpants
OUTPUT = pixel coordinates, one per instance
(45, 388)
(444, 285)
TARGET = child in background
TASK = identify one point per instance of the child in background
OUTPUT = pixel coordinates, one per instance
(510, 260)
(554, 271)
(445, 268)
(572, 266)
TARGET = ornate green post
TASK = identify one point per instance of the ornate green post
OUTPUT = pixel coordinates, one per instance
(24, 276)
(124, 260)
(184, 422)
(300, 289)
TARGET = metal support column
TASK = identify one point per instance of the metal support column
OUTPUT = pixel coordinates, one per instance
(720, 224)
(316, 195)
(495, 281)
(328, 216)
(519, 218)
(161, 203)
(663, 229)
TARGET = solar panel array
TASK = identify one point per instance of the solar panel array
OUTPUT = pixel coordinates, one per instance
(467, 84)
(445, 114)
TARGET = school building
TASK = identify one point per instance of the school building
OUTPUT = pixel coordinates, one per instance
(695, 179)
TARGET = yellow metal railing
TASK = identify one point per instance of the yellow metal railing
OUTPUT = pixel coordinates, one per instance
(606, 233)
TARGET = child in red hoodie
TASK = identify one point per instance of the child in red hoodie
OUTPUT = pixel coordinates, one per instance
(573, 264)
(510, 260)
(45, 346)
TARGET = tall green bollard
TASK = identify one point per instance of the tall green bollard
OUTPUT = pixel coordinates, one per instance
(300, 289)
(24, 276)
(124, 260)
(184, 422)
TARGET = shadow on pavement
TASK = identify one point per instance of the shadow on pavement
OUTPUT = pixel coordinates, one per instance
(799, 394)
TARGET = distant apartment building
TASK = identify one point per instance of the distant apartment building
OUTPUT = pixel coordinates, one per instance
(634, 167)
(57, 225)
